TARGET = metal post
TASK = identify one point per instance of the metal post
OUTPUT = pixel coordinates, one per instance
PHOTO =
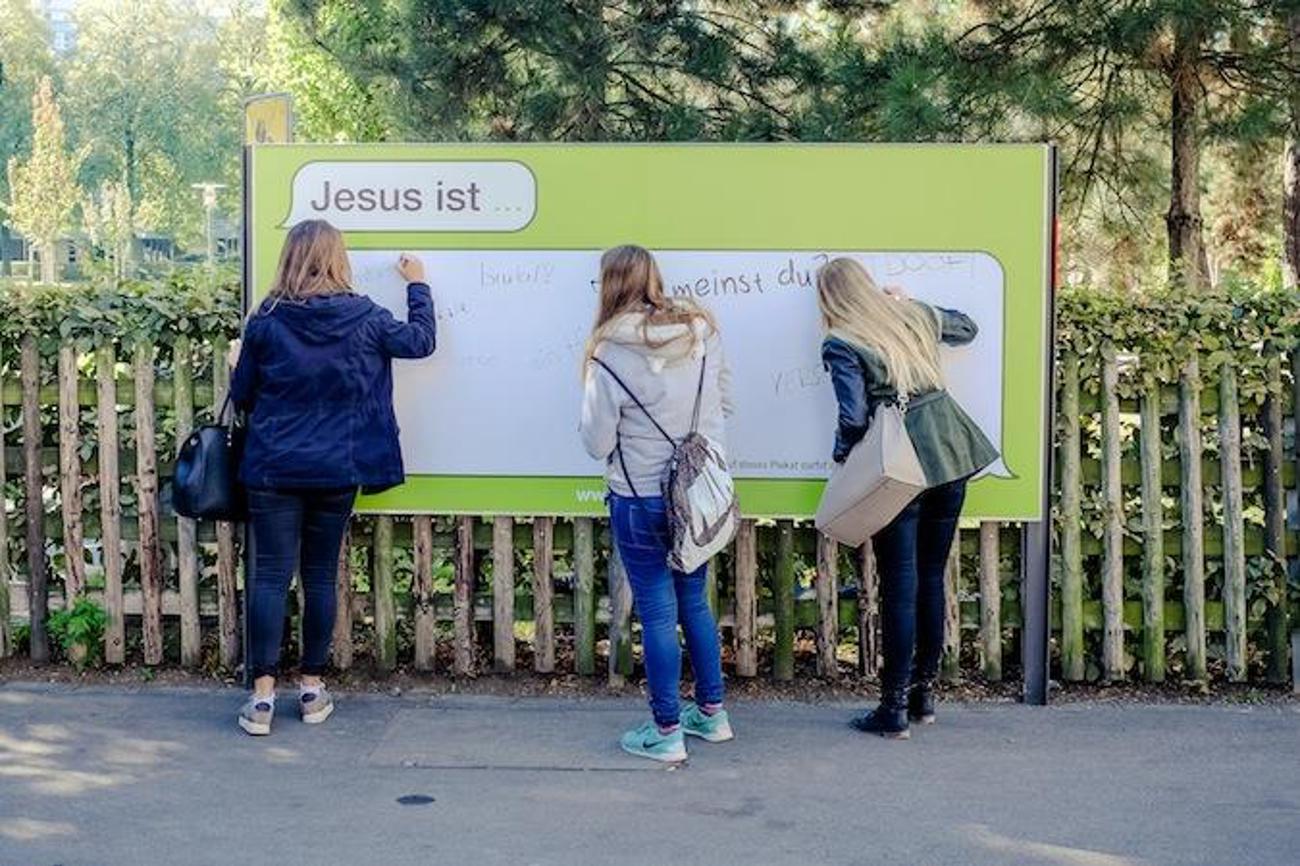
(1036, 540)
(246, 273)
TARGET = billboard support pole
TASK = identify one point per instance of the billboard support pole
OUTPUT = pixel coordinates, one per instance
(246, 282)
(1036, 540)
(268, 119)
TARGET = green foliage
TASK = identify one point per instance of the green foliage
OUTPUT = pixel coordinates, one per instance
(124, 312)
(144, 84)
(80, 632)
(43, 189)
(25, 58)
(554, 69)
(1238, 323)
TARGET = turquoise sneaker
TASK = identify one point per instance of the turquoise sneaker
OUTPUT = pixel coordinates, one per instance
(647, 742)
(713, 729)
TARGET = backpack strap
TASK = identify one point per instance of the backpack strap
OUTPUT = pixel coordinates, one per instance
(618, 447)
(699, 394)
(637, 401)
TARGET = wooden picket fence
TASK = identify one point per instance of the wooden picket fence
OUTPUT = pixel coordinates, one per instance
(464, 594)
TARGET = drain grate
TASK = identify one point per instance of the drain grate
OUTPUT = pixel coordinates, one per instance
(415, 799)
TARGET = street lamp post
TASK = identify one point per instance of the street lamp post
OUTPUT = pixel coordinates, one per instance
(209, 190)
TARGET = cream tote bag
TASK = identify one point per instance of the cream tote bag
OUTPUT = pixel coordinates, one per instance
(880, 477)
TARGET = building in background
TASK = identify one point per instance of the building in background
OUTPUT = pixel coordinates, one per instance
(58, 15)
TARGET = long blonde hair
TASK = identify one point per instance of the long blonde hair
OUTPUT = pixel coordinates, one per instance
(630, 282)
(905, 335)
(313, 261)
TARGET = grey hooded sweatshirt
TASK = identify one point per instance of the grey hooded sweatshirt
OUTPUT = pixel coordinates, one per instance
(664, 374)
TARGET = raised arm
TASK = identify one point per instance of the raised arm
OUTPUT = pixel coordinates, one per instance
(955, 327)
(417, 336)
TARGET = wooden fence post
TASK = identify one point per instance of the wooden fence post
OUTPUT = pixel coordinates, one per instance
(828, 622)
(1193, 519)
(950, 663)
(1112, 573)
(463, 610)
(382, 588)
(543, 595)
(146, 485)
(868, 611)
(1072, 646)
(426, 621)
(990, 601)
(620, 619)
(341, 644)
(1295, 426)
(1234, 530)
(1153, 536)
(110, 501)
(783, 602)
(74, 546)
(228, 624)
(6, 638)
(746, 590)
(711, 587)
(503, 593)
(1278, 617)
(584, 595)
(37, 566)
(187, 550)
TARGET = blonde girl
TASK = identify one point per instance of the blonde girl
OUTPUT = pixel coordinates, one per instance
(882, 347)
(654, 366)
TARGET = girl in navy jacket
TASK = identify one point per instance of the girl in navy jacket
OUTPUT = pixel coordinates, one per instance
(315, 378)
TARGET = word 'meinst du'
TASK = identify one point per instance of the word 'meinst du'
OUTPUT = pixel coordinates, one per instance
(441, 197)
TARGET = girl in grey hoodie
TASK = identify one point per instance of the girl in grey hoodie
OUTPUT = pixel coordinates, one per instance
(650, 361)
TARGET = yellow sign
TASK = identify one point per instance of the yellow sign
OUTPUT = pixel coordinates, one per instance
(268, 119)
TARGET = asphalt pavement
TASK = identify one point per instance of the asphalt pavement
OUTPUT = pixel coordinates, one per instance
(100, 776)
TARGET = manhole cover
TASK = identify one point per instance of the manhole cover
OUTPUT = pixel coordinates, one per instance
(415, 799)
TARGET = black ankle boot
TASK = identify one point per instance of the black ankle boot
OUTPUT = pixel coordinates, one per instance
(889, 719)
(920, 702)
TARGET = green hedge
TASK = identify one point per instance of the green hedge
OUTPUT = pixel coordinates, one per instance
(192, 303)
(1241, 323)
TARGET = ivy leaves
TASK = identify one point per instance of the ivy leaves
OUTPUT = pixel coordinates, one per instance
(1157, 331)
(122, 312)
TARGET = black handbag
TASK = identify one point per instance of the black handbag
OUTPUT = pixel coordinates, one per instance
(205, 485)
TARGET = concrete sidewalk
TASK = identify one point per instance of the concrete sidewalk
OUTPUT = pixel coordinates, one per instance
(100, 777)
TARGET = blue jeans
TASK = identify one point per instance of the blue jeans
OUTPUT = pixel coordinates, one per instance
(294, 529)
(911, 557)
(663, 599)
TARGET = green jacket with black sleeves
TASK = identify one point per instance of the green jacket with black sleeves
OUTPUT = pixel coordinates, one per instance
(949, 445)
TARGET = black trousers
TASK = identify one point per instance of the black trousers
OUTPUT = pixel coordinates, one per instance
(911, 557)
(294, 529)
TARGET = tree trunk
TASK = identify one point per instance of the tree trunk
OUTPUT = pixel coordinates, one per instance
(1187, 258)
(131, 248)
(1291, 168)
(49, 250)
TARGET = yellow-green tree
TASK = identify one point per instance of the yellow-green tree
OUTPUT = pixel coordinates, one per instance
(109, 219)
(25, 57)
(43, 188)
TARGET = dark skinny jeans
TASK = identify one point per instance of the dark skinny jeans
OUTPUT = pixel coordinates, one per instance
(299, 528)
(911, 557)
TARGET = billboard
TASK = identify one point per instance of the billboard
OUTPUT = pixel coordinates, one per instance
(511, 236)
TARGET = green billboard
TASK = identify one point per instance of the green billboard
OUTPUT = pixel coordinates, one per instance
(511, 235)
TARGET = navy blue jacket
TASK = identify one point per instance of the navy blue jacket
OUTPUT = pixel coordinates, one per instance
(316, 380)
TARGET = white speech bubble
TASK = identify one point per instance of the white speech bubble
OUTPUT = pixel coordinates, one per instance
(419, 196)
